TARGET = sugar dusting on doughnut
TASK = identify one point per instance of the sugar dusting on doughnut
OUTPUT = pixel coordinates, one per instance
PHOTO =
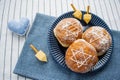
(67, 31)
(67, 24)
(99, 38)
(97, 34)
(81, 61)
(71, 32)
(81, 56)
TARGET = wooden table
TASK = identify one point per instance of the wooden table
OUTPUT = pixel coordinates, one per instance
(11, 44)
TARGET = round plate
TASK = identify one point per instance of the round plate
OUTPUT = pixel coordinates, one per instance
(58, 52)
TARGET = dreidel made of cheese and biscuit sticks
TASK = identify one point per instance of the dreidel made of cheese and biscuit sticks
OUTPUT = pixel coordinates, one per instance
(87, 16)
(40, 55)
(77, 13)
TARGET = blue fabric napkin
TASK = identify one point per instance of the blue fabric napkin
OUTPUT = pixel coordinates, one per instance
(29, 66)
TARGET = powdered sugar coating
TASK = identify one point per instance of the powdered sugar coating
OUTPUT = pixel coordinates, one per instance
(83, 60)
(81, 56)
(99, 38)
(68, 30)
(67, 24)
(70, 34)
(97, 34)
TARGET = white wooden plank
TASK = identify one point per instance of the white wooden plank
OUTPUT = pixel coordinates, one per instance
(81, 5)
(26, 8)
(41, 6)
(58, 8)
(105, 14)
(10, 37)
(53, 8)
(61, 4)
(108, 8)
(92, 6)
(75, 3)
(114, 13)
(86, 4)
(2, 58)
(1, 15)
(29, 12)
(1, 12)
(69, 2)
(64, 7)
(9, 42)
(108, 16)
(15, 44)
(35, 8)
(99, 12)
(23, 11)
(6, 52)
(117, 4)
(47, 6)
(50, 7)
(1, 54)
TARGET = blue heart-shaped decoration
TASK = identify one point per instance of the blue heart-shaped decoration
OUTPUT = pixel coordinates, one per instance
(19, 27)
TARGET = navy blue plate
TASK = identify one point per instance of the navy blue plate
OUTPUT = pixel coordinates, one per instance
(58, 52)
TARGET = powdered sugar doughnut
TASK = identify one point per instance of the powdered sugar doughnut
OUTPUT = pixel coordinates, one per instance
(99, 38)
(81, 56)
(67, 31)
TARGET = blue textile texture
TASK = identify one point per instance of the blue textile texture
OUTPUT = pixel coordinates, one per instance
(29, 66)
